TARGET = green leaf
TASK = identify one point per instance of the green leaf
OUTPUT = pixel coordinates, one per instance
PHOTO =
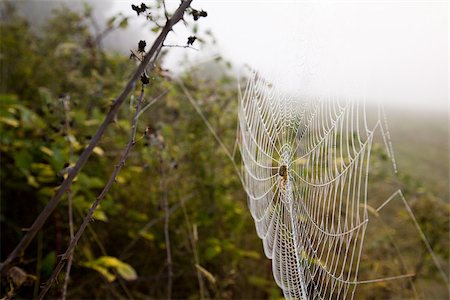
(213, 251)
(48, 263)
(124, 23)
(258, 281)
(23, 160)
(7, 99)
(111, 21)
(250, 254)
(100, 215)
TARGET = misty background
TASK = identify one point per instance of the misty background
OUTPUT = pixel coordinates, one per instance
(394, 52)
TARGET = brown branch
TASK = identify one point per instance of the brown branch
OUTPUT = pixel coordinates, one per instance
(97, 201)
(43, 216)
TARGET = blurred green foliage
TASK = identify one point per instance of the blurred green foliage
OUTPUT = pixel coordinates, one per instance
(122, 254)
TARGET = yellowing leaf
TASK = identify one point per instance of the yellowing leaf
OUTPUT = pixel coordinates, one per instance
(120, 179)
(91, 122)
(99, 151)
(250, 254)
(10, 122)
(125, 270)
(104, 263)
(147, 235)
(102, 270)
(31, 180)
(46, 150)
(136, 169)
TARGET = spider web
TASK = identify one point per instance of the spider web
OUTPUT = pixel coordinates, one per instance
(305, 171)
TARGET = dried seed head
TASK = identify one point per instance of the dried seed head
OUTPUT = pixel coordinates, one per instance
(141, 46)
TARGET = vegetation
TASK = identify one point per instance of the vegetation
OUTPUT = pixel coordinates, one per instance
(57, 87)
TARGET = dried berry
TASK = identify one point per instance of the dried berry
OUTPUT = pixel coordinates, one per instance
(136, 8)
(191, 40)
(141, 46)
(139, 9)
(143, 7)
(197, 14)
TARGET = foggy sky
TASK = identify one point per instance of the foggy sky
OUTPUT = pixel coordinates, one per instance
(393, 51)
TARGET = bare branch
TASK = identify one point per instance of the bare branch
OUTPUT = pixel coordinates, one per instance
(97, 201)
(41, 219)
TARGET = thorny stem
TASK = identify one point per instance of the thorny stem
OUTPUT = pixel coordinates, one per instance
(47, 211)
(97, 201)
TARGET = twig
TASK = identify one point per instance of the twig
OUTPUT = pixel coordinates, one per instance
(152, 102)
(150, 224)
(163, 189)
(97, 201)
(69, 196)
(38, 264)
(181, 46)
(193, 240)
(70, 259)
(50, 207)
(420, 231)
(166, 14)
(211, 129)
